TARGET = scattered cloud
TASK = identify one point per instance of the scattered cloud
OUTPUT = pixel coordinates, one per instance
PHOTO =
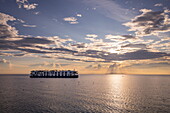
(20, 20)
(79, 15)
(158, 5)
(92, 35)
(71, 20)
(4, 61)
(93, 38)
(74, 22)
(79, 45)
(5, 29)
(150, 23)
(120, 37)
(94, 67)
(89, 67)
(26, 5)
(113, 68)
(162, 44)
(25, 25)
(94, 8)
(5, 64)
(36, 13)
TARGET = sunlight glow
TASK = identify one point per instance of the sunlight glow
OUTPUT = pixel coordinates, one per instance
(113, 51)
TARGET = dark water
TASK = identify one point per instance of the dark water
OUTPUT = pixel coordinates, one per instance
(89, 93)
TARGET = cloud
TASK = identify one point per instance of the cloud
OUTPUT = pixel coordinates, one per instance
(74, 22)
(89, 67)
(60, 65)
(94, 67)
(83, 59)
(92, 35)
(136, 55)
(44, 64)
(110, 9)
(4, 61)
(79, 45)
(32, 50)
(167, 64)
(93, 38)
(79, 15)
(99, 66)
(26, 5)
(158, 5)
(29, 25)
(57, 39)
(71, 59)
(32, 40)
(4, 64)
(4, 18)
(24, 41)
(149, 65)
(36, 13)
(120, 37)
(5, 29)
(161, 45)
(49, 64)
(71, 20)
(141, 46)
(150, 23)
(32, 45)
(113, 68)
(22, 54)
(145, 64)
(20, 20)
(142, 54)
(61, 49)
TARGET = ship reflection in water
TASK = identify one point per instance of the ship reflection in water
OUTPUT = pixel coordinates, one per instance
(88, 93)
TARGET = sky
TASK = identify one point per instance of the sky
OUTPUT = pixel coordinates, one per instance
(90, 36)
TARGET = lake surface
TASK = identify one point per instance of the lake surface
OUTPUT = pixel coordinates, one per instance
(88, 93)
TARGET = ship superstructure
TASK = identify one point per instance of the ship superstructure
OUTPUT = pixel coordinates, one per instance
(53, 74)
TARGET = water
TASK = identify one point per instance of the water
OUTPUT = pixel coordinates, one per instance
(88, 93)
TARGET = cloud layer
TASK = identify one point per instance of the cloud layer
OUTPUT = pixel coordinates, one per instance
(96, 51)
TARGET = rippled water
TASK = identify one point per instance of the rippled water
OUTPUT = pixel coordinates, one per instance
(88, 93)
